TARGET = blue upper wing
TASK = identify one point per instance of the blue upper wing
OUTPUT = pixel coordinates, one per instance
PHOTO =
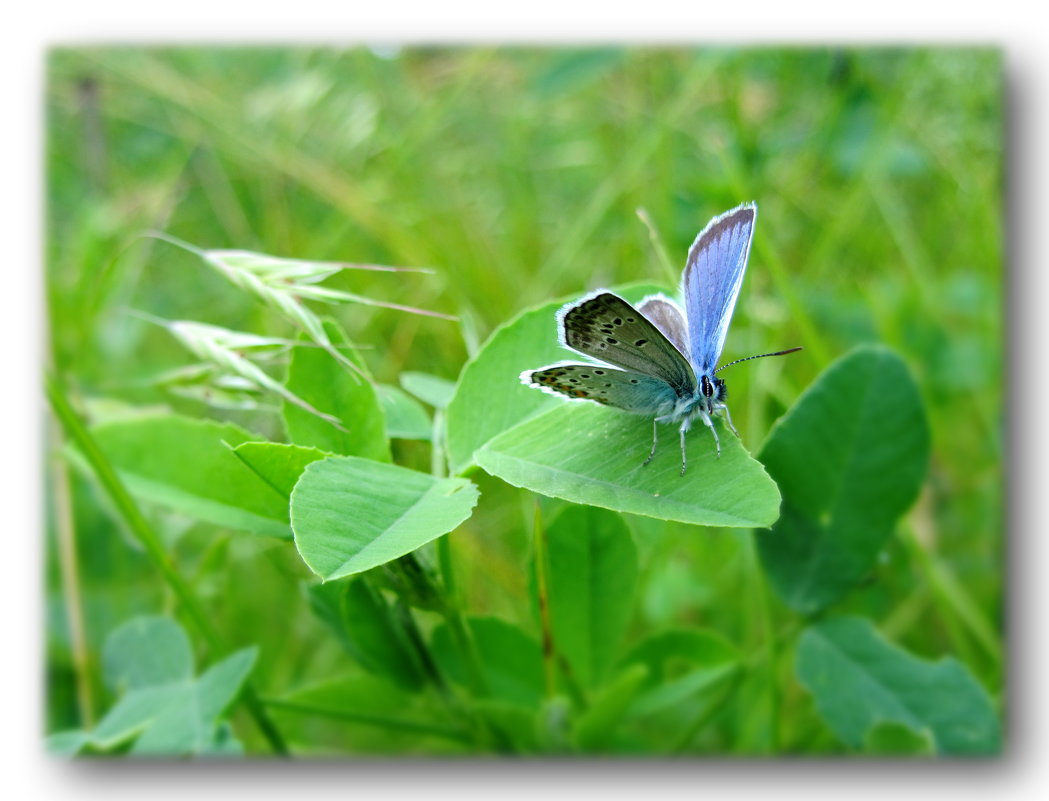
(712, 279)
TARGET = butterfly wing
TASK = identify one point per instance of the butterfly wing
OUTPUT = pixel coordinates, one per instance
(609, 386)
(606, 327)
(713, 277)
(668, 318)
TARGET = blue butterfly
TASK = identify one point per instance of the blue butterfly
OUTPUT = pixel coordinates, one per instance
(657, 360)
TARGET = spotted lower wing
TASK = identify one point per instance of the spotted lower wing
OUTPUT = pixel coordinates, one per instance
(608, 328)
(668, 318)
(629, 391)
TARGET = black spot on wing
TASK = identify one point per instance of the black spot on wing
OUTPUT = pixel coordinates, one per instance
(608, 328)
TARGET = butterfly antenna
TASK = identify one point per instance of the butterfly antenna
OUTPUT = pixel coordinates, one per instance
(759, 356)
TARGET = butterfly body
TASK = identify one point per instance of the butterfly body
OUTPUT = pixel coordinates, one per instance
(657, 360)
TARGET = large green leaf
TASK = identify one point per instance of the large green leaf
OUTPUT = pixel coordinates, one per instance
(276, 463)
(592, 576)
(860, 682)
(365, 624)
(489, 397)
(188, 465)
(849, 458)
(590, 454)
(162, 707)
(351, 514)
(328, 385)
(594, 455)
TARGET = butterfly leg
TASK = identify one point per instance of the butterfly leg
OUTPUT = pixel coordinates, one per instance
(652, 453)
(728, 418)
(710, 425)
(684, 428)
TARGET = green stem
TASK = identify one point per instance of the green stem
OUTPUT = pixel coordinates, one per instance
(67, 564)
(552, 660)
(671, 273)
(423, 659)
(464, 642)
(427, 665)
(423, 587)
(444, 566)
(438, 452)
(951, 594)
(439, 469)
(812, 335)
(447, 603)
(151, 542)
(539, 539)
(451, 609)
(771, 649)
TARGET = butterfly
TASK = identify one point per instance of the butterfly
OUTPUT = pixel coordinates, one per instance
(657, 360)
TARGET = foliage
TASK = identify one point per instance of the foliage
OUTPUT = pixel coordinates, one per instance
(163, 709)
(860, 682)
(860, 431)
(322, 467)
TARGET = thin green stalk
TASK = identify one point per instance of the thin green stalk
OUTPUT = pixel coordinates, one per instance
(631, 163)
(671, 273)
(451, 608)
(410, 570)
(423, 588)
(811, 335)
(68, 567)
(485, 733)
(444, 565)
(762, 601)
(464, 642)
(444, 599)
(439, 469)
(952, 595)
(900, 225)
(552, 660)
(438, 456)
(539, 538)
(423, 659)
(150, 541)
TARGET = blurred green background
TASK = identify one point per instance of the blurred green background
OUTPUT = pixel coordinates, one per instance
(517, 175)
